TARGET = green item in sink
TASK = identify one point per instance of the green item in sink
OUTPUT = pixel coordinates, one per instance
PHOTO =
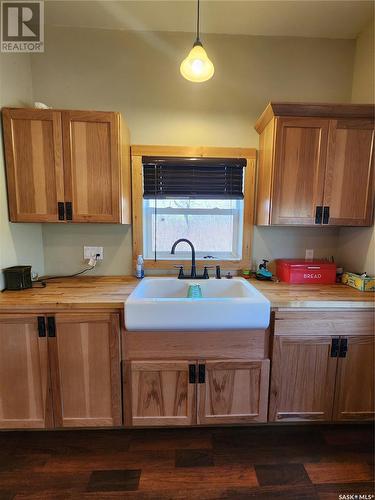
(194, 291)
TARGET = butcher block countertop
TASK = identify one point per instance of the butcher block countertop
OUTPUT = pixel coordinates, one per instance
(110, 292)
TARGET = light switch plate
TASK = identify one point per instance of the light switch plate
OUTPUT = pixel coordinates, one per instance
(309, 254)
(89, 252)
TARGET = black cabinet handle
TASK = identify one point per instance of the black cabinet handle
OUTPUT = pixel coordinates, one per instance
(343, 348)
(201, 374)
(192, 375)
(335, 346)
(69, 210)
(318, 214)
(325, 215)
(41, 326)
(51, 326)
(61, 210)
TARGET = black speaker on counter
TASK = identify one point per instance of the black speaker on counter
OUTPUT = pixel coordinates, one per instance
(17, 277)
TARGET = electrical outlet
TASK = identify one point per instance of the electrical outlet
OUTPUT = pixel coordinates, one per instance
(89, 252)
(309, 254)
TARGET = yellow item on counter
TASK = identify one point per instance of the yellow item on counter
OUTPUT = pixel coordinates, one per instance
(362, 283)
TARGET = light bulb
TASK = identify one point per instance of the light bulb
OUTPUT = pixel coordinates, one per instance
(197, 67)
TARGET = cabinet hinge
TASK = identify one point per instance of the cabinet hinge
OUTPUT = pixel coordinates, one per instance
(335, 346)
(41, 326)
(343, 348)
(201, 374)
(51, 326)
(192, 375)
(61, 210)
(318, 214)
(69, 210)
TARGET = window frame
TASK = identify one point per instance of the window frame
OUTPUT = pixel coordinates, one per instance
(248, 208)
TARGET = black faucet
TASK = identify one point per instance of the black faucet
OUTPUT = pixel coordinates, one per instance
(193, 272)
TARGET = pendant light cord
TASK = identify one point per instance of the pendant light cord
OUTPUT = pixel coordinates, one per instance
(198, 9)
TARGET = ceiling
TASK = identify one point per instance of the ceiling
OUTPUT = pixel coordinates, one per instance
(304, 18)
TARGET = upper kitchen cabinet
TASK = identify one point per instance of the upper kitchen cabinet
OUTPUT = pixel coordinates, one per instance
(34, 164)
(348, 192)
(315, 165)
(67, 166)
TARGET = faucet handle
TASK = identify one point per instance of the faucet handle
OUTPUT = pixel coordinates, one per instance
(180, 272)
(205, 272)
(218, 273)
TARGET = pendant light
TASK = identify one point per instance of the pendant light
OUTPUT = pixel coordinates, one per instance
(197, 67)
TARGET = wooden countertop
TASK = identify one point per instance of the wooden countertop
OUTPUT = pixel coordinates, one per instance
(110, 292)
(338, 296)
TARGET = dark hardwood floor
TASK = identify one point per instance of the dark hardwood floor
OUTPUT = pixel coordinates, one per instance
(282, 462)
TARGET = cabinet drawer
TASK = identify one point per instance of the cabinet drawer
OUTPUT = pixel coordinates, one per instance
(324, 323)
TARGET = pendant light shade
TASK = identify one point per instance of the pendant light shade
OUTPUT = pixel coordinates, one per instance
(197, 67)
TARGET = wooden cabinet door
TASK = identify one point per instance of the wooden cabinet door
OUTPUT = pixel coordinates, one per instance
(33, 151)
(355, 380)
(234, 391)
(85, 368)
(92, 165)
(161, 393)
(302, 378)
(298, 182)
(24, 374)
(349, 189)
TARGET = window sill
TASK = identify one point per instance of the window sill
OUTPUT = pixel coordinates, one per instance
(163, 265)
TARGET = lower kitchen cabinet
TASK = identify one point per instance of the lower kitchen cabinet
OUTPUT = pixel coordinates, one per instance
(60, 370)
(24, 374)
(162, 393)
(355, 379)
(303, 378)
(233, 392)
(323, 366)
(197, 392)
(86, 370)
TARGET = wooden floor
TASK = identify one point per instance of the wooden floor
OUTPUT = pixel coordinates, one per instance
(289, 462)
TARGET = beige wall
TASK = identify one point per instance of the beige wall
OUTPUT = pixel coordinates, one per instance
(19, 243)
(363, 74)
(138, 74)
(357, 245)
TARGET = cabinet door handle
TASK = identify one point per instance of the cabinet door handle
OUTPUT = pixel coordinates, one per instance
(192, 375)
(201, 374)
(60, 210)
(318, 214)
(343, 348)
(335, 346)
(51, 326)
(325, 215)
(69, 210)
(41, 326)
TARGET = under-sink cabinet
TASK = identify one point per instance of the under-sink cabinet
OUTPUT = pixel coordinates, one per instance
(323, 366)
(188, 392)
(60, 370)
(205, 387)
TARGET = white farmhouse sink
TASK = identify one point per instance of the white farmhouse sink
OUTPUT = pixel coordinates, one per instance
(162, 304)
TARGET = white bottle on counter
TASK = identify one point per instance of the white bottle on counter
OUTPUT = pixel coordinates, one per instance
(140, 271)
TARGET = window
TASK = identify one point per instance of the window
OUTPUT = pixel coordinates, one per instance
(215, 214)
(214, 227)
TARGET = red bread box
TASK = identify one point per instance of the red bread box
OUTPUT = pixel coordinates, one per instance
(304, 271)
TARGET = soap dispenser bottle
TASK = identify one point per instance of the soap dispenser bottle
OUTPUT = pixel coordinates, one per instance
(140, 271)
